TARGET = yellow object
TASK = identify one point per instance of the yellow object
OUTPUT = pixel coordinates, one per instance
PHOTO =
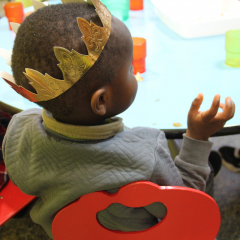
(232, 46)
(72, 64)
(26, 3)
(177, 124)
(139, 77)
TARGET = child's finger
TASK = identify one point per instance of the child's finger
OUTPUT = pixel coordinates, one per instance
(228, 110)
(233, 109)
(221, 105)
(195, 105)
(211, 113)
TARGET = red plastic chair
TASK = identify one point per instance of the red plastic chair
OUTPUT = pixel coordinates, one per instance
(191, 214)
(12, 200)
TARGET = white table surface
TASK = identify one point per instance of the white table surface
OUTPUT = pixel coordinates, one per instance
(177, 70)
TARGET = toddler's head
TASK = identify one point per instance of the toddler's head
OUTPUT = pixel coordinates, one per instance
(107, 89)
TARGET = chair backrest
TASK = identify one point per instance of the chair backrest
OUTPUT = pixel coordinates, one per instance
(12, 200)
(191, 214)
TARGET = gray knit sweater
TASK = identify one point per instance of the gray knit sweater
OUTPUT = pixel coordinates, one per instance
(59, 169)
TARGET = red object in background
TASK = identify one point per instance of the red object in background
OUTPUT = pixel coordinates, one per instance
(14, 12)
(136, 4)
(12, 200)
(139, 54)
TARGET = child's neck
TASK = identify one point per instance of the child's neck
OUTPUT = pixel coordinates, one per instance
(81, 122)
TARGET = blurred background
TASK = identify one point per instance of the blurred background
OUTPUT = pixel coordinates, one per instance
(2, 2)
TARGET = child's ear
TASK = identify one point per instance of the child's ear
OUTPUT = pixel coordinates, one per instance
(99, 101)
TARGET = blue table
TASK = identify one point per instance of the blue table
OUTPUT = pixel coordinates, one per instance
(177, 70)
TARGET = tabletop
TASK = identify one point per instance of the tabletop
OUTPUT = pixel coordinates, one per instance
(177, 69)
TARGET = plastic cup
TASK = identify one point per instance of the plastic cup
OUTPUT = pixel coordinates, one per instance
(232, 46)
(118, 8)
(14, 12)
(139, 54)
(136, 4)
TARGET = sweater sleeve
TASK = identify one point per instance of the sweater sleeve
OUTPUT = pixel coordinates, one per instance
(4, 147)
(192, 162)
(190, 168)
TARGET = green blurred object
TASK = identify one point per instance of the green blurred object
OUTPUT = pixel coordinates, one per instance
(173, 148)
(118, 8)
(232, 46)
(26, 3)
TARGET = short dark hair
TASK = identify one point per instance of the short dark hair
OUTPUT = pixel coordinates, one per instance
(56, 25)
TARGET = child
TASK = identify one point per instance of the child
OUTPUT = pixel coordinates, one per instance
(75, 146)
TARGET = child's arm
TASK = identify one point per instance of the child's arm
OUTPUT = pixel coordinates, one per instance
(193, 157)
(192, 161)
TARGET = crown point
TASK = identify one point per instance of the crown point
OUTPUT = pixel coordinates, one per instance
(15, 26)
(37, 5)
(6, 55)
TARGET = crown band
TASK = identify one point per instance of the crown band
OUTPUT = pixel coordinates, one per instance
(72, 64)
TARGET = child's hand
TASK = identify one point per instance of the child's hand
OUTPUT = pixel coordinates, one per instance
(201, 125)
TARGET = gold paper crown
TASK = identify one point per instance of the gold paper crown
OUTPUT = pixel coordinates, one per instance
(72, 64)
